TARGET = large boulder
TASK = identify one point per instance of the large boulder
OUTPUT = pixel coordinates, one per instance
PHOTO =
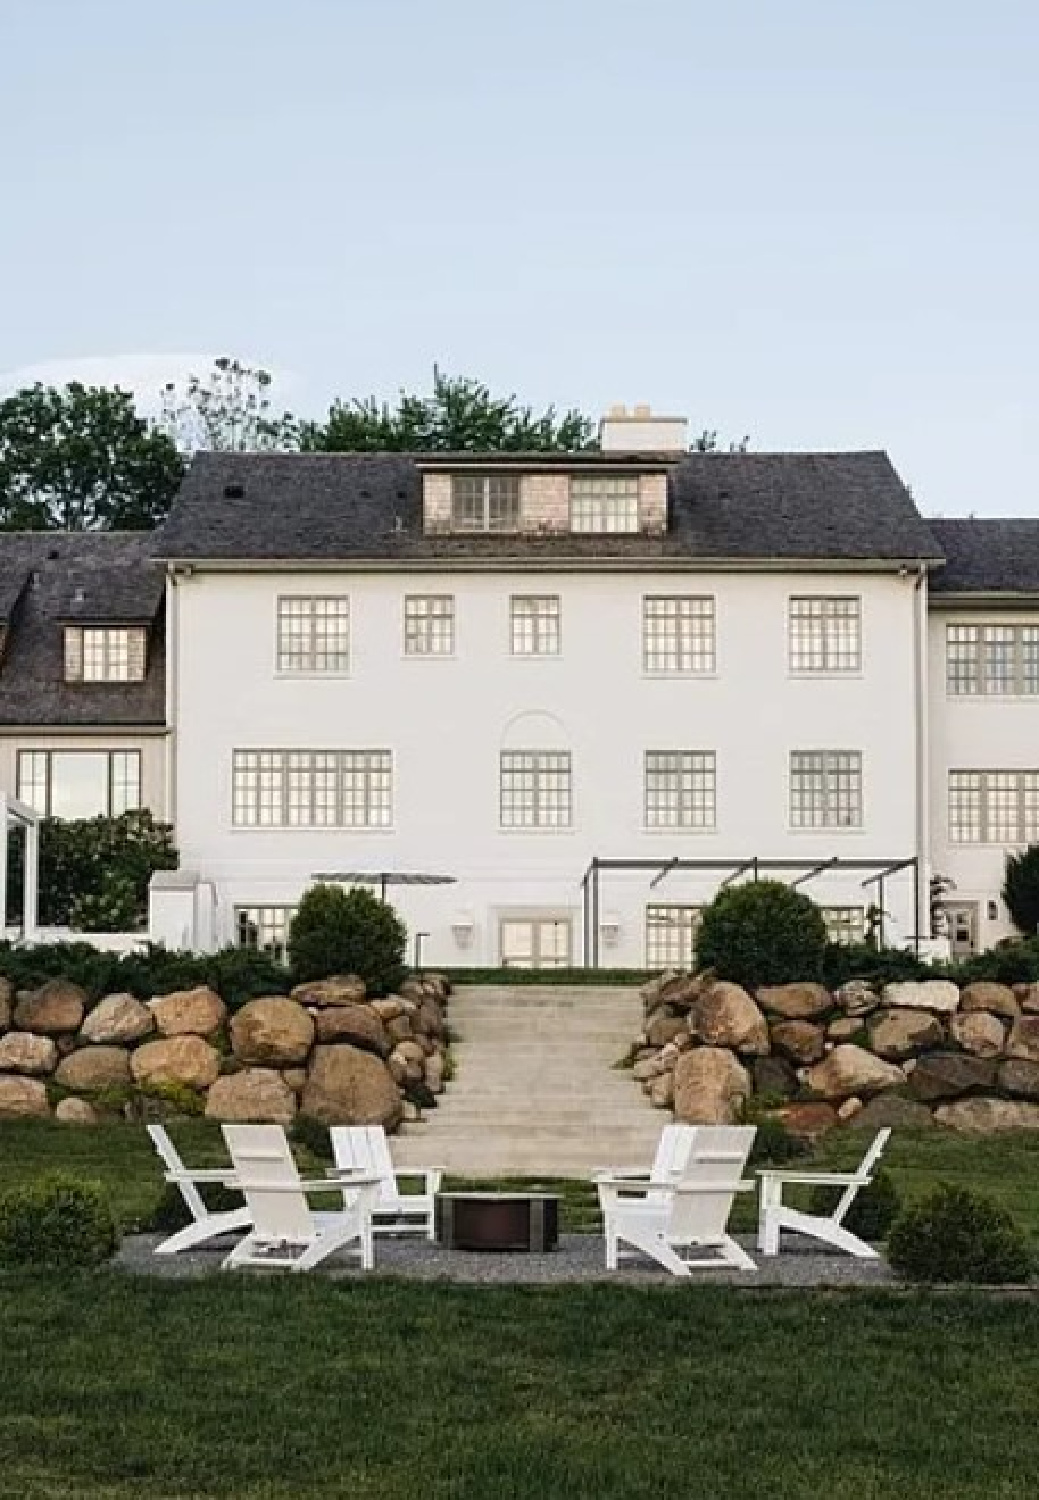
(1023, 1040)
(726, 1016)
(197, 1012)
(846, 1029)
(944, 1075)
(1020, 1077)
(58, 1005)
(117, 1018)
(710, 1087)
(25, 1052)
(895, 1034)
(987, 1116)
(797, 1002)
(774, 1075)
(857, 997)
(676, 990)
(22, 1096)
(75, 1112)
(90, 1068)
(800, 1041)
(253, 1096)
(272, 1030)
(939, 995)
(849, 1071)
(340, 989)
(346, 1086)
(808, 1118)
(999, 999)
(979, 1032)
(662, 1027)
(357, 1024)
(894, 1112)
(187, 1060)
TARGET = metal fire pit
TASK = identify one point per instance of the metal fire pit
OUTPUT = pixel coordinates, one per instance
(497, 1221)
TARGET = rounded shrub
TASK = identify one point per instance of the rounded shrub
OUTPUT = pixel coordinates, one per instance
(313, 1135)
(873, 1209)
(57, 1222)
(171, 1212)
(957, 1235)
(762, 933)
(347, 932)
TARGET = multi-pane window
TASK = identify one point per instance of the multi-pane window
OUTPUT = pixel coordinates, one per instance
(535, 790)
(671, 936)
(429, 625)
(604, 503)
(844, 924)
(825, 634)
(312, 789)
(314, 634)
(80, 783)
(679, 788)
(993, 807)
(535, 624)
(996, 659)
(826, 789)
(677, 634)
(485, 502)
(105, 653)
(265, 928)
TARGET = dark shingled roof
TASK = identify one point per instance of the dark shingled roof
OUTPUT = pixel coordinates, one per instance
(368, 507)
(987, 556)
(87, 576)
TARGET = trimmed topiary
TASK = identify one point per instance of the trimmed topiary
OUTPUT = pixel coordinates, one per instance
(1021, 889)
(347, 932)
(957, 1235)
(873, 1210)
(58, 1223)
(762, 933)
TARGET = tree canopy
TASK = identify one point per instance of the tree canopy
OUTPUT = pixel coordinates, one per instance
(227, 411)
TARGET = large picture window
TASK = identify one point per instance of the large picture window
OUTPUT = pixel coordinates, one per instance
(80, 783)
(313, 789)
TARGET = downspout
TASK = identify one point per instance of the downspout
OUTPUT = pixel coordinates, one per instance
(923, 781)
(172, 695)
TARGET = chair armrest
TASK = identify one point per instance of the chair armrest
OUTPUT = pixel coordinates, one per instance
(641, 1184)
(824, 1179)
(702, 1188)
(205, 1174)
(430, 1177)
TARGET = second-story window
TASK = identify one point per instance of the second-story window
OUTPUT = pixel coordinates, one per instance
(105, 653)
(993, 807)
(1002, 660)
(314, 634)
(535, 624)
(825, 789)
(825, 634)
(604, 502)
(535, 789)
(485, 502)
(312, 789)
(679, 788)
(677, 634)
(429, 625)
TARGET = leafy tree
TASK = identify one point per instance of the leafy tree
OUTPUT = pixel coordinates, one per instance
(1021, 889)
(347, 932)
(81, 459)
(229, 411)
(762, 933)
(94, 872)
(460, 415)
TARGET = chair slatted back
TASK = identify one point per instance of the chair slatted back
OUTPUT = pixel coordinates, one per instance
(193, 1199)
(270, 1182)
(364, 1148)
(863, 1172)
(672, 1154)
(717, 1159)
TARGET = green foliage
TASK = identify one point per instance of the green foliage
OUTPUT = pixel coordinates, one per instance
(1021, 889)
(80, 459)
(313, 1135)
(94, 872)
(873, 1209)
(56, 1222)
(237, 974)
(171, 1212)
(175, 1098)
(958, 1235)
(845, 961)
(228, 411)
(762, 933)
(775, 1145)
(347, 932)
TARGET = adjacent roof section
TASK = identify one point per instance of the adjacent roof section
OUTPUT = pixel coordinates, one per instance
(368, 507)
(88, 576)
(987, 556)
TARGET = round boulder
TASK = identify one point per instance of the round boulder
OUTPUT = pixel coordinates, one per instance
(796, 1002)
(808, 1119)
(988, 1116)
(75, 1112)
(357, 1024)
(1023, 1040)
(661, 1028)
(939, 995)
(58, 1005)
(726, 1016)
(346, 1086)
(272, 1030)
(845, 1028)
(943, 1075)
(710, 1086)
(800, 1041)
(253, 1096)
(999, 999)
(25, 1052)
(117, 1018)
(197, 1012)
(22, 1096)
(91, 1068)
(979, 1032)
(857, 997)
(1020, 1077)
(340, 989)
(389, 1008)
(895, 1112)
(895, 1034)
(850, 1071)
(177, 1059)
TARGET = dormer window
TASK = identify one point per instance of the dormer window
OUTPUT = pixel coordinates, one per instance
(485, 502)
(604, 503)
(105, 653)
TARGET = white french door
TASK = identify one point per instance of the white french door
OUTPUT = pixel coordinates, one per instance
(535, 942)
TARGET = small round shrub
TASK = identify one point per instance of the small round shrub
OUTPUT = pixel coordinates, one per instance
(957, 1235)
(57, 1222)
(347, 932)
(774, 1144)
(171, 1212)
(762, 933)
(313, 1135)
(873, 1209)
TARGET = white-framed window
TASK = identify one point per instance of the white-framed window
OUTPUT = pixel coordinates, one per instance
(80, 783)
(678, 634)
(429, 625)
(535, 789)
(993, 807)
(105, 653)
(845, 924)
(535, 942)
(825, 633)
(997, 660)
(607, 502)
(265, 928)
(535, 624)
(485, 502)
(679, 788)
(826, 789)
(312, 789)
(671, 936)
(314, 634)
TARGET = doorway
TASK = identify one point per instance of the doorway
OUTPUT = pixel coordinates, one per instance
(963, 928)
(535, 942)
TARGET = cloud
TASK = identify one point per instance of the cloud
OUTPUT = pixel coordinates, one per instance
(144, 375)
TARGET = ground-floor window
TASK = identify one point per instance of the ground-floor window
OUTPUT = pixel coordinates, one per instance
(265, 928)
(80, 783)
(535, 943)
(844, 924)
(671, 936)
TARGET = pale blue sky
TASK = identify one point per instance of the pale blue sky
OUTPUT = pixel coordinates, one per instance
(813, 221)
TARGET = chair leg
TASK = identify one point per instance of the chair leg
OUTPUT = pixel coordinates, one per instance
(769, 1212)
(735, 1255)
(201, 1230)
(828, 1232)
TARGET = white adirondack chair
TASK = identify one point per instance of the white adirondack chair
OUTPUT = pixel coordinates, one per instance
(774, 1215)
(286, 1231)
(205, 1225)
(364, 1149)
(688, 1212)
(672, 1153)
